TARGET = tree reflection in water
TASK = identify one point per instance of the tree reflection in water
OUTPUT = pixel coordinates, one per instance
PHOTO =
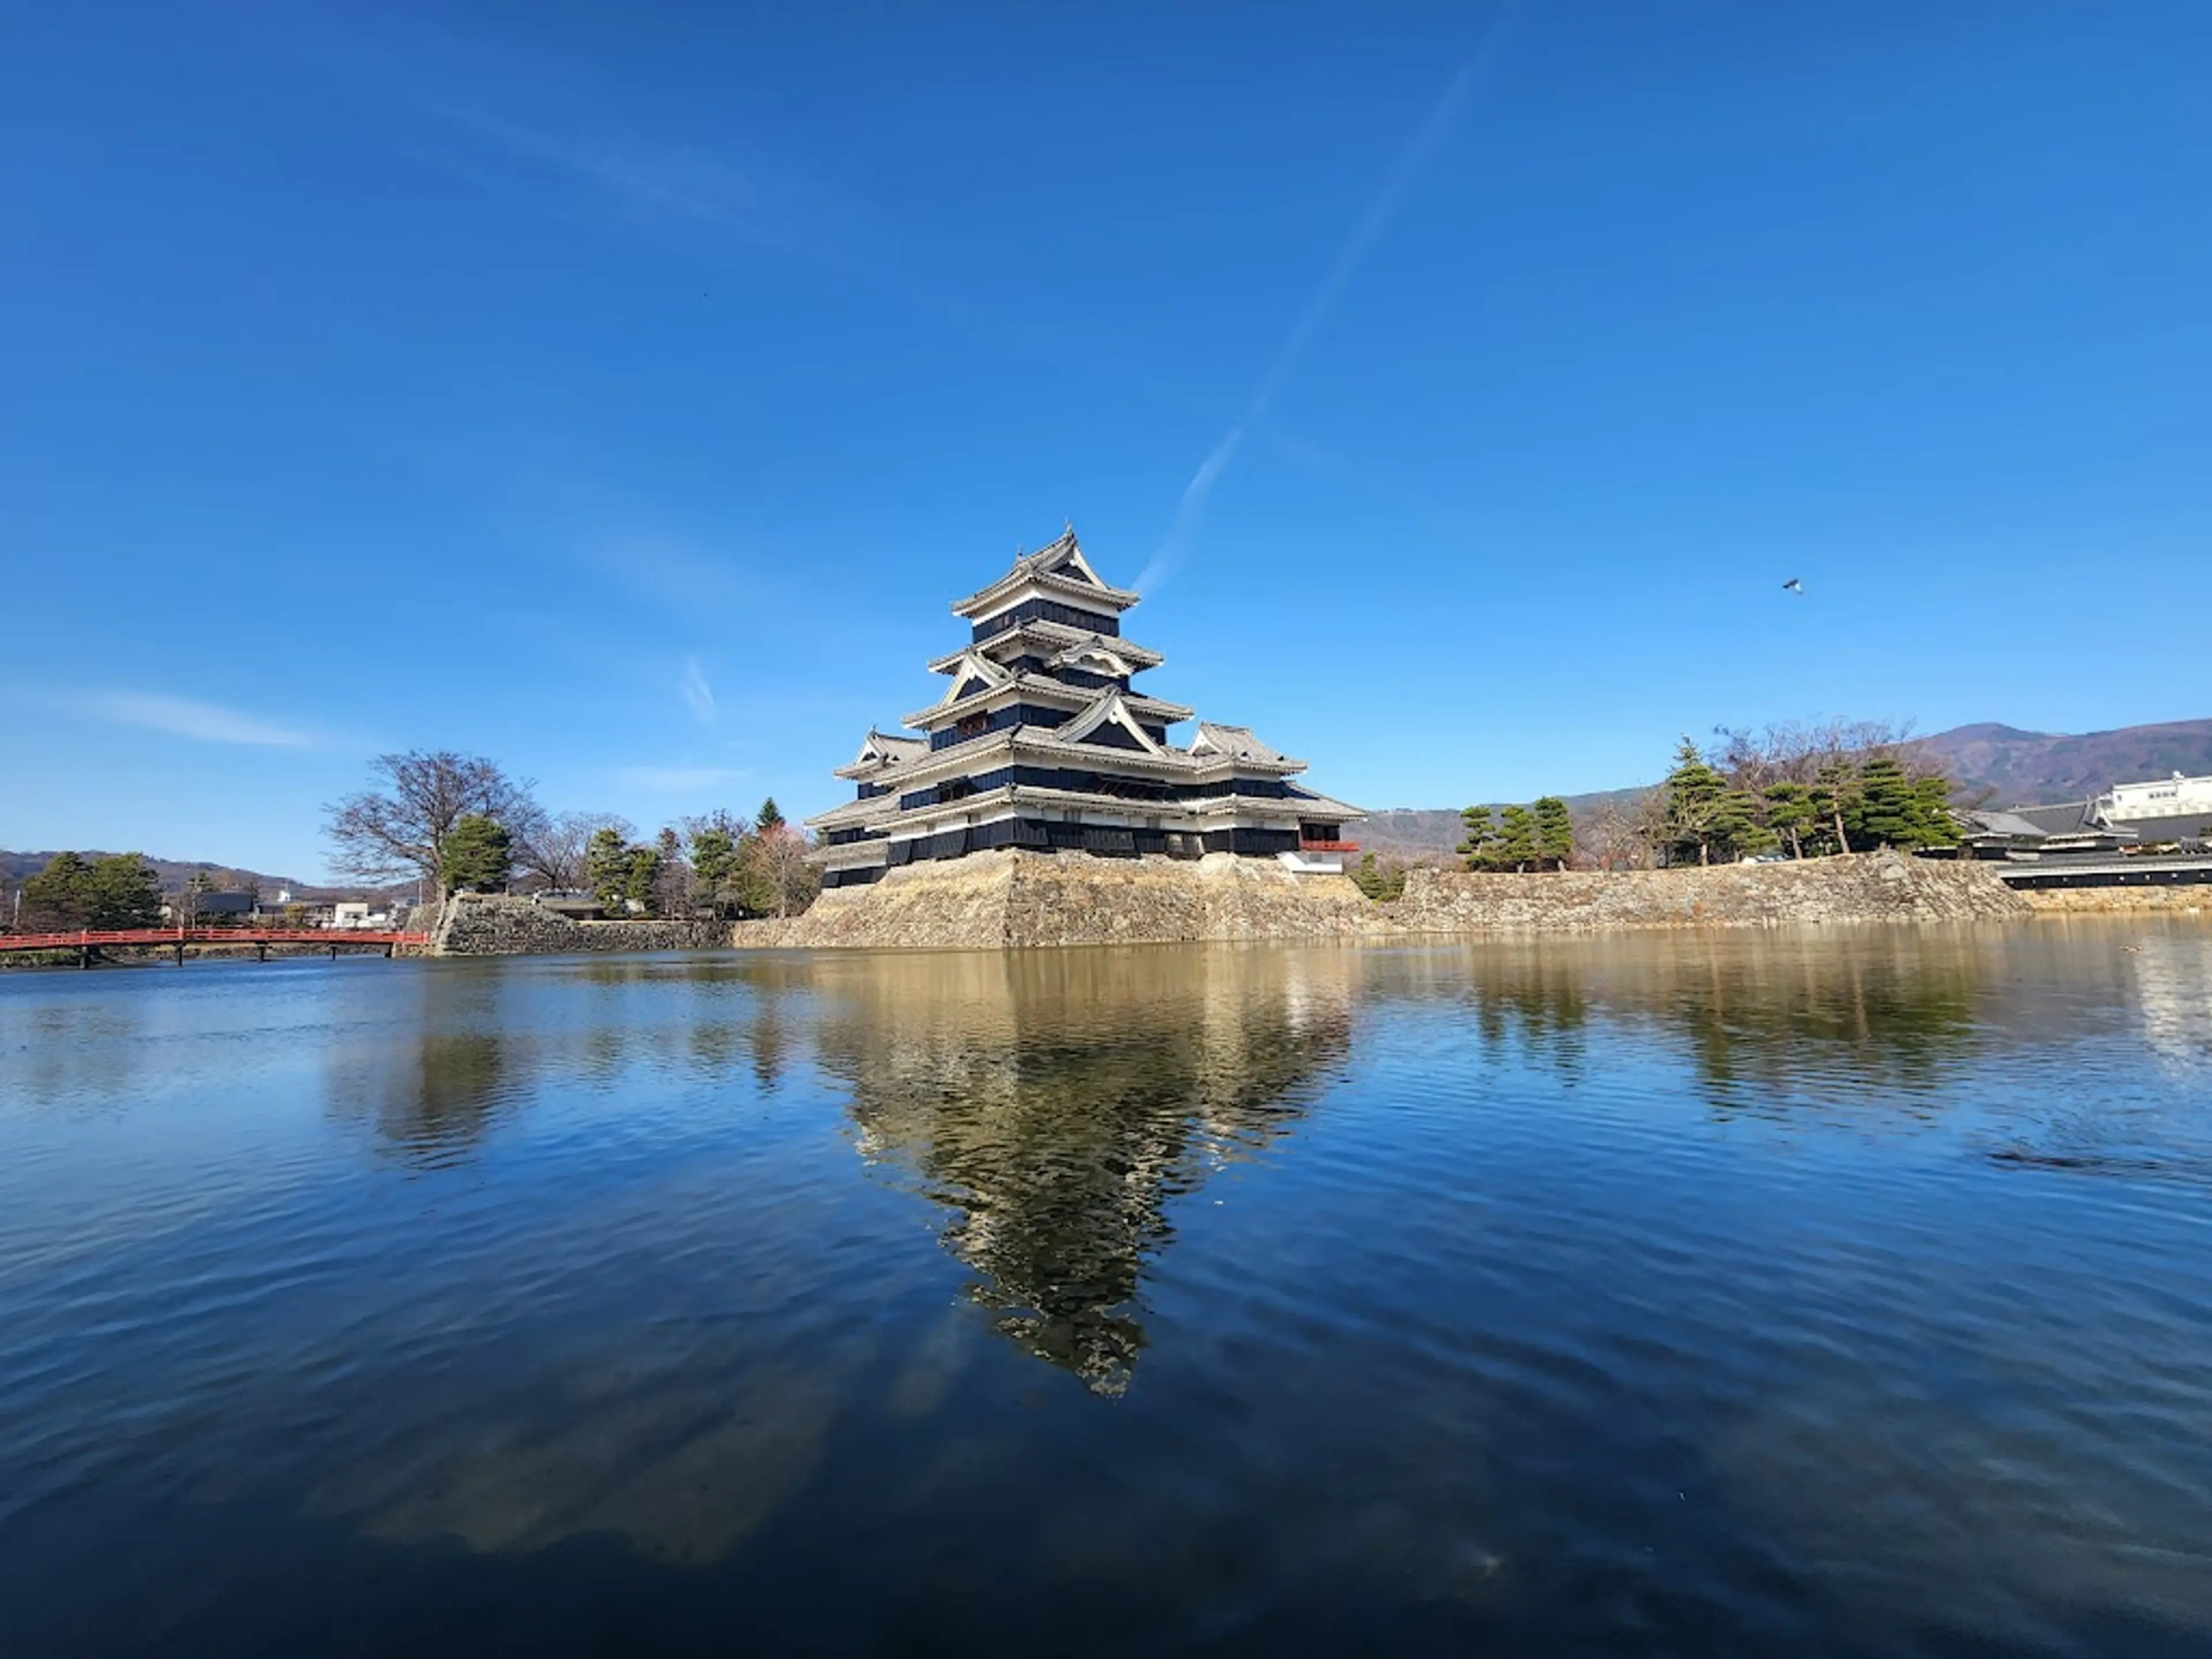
(1772, 1022)
(1056, 1101)
(433, 1083)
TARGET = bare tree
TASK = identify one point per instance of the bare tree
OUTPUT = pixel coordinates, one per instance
(383, 835)
(1623, 835)
(782, 883)
(1796, 751)
(550, 849)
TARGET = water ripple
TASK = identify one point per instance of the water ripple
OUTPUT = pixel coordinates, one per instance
(1842, 1292)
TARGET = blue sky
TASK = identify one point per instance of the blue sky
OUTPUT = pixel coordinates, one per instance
(623, 393)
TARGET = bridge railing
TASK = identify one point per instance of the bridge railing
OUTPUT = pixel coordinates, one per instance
(85, 936)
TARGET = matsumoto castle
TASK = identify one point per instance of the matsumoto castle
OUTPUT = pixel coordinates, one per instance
(1041, 741)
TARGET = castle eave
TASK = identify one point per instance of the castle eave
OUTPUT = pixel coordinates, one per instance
(1037, 688)
(1050, 638)
(1068, 589)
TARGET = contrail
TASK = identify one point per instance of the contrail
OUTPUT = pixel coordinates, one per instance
(1381, 210)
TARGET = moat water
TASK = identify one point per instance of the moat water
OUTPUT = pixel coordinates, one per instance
(1844, 1292)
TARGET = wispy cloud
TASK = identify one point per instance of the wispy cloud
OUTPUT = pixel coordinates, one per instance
(1382, 208)
(697, 695)
(675, 184)
(1189, 510)
(485, 107)
(184, 717)
(675, 179)
(497, 109)
(679, 780)
(680, 575)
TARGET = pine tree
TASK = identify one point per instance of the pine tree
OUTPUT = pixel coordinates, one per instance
(1377, 882)
(714, 861)
(1836, 796)
(478, 856)
(768, 817)
(1932, 796)
(1789, 814)
(606, 867)
(56, 896)
(1481, 832)
(1735, 828)
(1555, 832)
(1897, 810)
(1517, 838)
(1694, 793)
(640, 880)
(123, 891)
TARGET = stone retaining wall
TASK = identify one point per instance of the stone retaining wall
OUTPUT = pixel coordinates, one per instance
(1865, 887)
(2187, 900)
(988, 901)
(486, 924)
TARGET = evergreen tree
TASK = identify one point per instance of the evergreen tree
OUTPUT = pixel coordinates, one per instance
(1836, 800)
(1735, 829)
(478, 856)
(118, 891)
(1555, 832)
(1692, 795)
(1481, 831)
(1515, 847)
(606, 866)
(640, 880)
(126, 892)
(768, 819)
(56, 898)
(1789, 814)
(1932, 794)
(1898, 810)
(1377, 882)
(714, 840)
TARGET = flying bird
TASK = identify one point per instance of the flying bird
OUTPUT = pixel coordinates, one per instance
(1793, 586)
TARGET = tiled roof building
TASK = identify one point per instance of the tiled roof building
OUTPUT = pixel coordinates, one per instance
(1043, 741)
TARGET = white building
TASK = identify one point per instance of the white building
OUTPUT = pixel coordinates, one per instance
(2168, 798)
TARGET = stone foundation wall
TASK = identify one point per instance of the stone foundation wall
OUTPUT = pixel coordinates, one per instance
(485, 925)
(989, 900)
(992, 900)
(1865, 887)
(2192, 900)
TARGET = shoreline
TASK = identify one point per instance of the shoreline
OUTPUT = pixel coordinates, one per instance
(1022, 899)
(1028, 900)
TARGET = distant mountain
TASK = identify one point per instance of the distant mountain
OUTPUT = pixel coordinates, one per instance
(175, 873)
(2035, 769)
(1416, 834)
(2010, 767)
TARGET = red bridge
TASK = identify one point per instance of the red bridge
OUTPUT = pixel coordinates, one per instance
(88, 943)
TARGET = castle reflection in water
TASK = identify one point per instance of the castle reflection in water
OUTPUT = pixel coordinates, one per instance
(1057, 1102)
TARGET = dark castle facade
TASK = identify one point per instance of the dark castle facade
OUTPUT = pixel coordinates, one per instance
(1043, 741)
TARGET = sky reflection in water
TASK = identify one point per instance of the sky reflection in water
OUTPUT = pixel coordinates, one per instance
(1789, 1293)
